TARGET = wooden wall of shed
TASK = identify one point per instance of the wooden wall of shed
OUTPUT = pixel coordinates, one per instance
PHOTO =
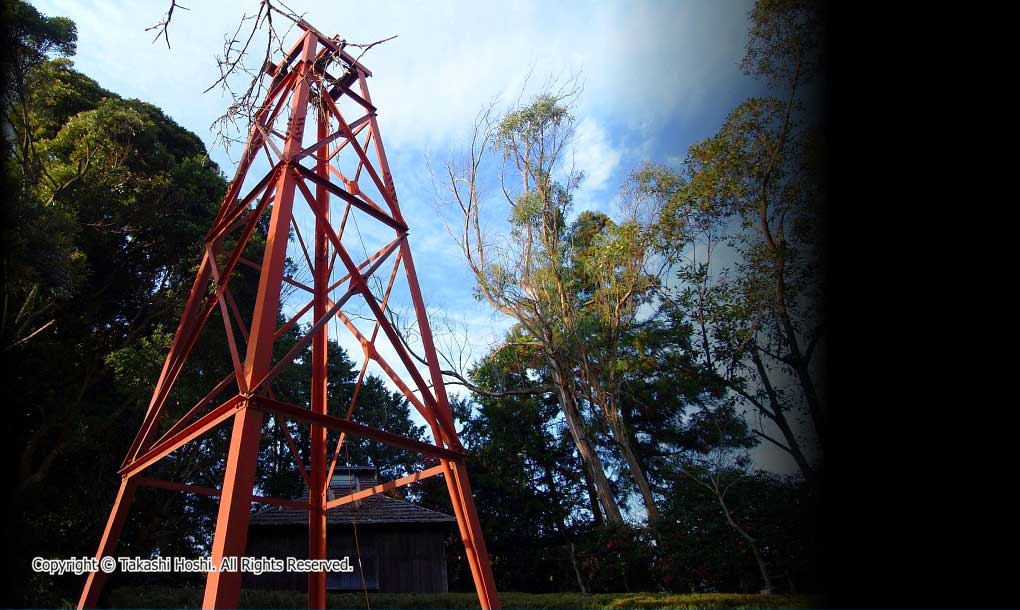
(396, 559)
(412, 561)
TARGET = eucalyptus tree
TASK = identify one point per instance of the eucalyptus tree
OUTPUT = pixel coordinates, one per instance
(523, 275)
(575, 288)
(607, 271)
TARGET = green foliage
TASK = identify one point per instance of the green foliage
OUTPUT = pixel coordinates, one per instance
(101, 238)
(32, 36)
(526, 483)
(532, 123)
(787, 40)
(665, 368)
(376, 407)
(109, 205)
(618, 558)
(526, 212)
(742, 226)
(41, 252)
(700, 551)
(136, 365)
(56, 92)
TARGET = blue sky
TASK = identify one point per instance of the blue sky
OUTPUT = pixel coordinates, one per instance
(657, 77)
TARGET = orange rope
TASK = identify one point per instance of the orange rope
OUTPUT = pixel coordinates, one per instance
(354, 521)
(350, 474)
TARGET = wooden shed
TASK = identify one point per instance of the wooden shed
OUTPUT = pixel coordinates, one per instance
(402, 545)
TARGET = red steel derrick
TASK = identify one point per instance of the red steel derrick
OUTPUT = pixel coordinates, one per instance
(301, 174)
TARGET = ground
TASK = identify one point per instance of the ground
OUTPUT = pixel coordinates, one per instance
(167, 597)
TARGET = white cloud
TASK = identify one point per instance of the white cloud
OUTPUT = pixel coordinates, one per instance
(644, 65)
(641, 62)
(595, 155)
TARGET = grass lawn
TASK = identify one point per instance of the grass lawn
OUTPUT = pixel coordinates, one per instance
(177, 597)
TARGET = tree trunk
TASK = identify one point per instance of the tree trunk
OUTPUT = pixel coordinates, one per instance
(767, 589)
(636, 471)
(814, 404)
(796, 358)
(762, 567)
(793, 445)
(557, 497)
(592, 464)
(577, 572)
(593, 497)
(800, 364)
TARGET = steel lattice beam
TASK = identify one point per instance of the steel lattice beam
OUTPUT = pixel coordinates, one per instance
(301, 82)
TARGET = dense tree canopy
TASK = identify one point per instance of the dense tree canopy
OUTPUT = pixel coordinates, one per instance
(677, 334)
(108, 205)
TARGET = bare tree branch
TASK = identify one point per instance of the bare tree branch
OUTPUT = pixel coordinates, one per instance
(237, 48)
(163, 26)
(462, 380)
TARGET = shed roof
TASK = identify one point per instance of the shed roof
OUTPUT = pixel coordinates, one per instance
(374, 510)
(377, 509)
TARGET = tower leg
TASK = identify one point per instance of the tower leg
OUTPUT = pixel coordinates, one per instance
(320, 345)
(454, 473)
(108, 544)
(471, 516)
(466, 535)
(223, 588)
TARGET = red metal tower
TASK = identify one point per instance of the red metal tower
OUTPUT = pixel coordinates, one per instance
(300, 81)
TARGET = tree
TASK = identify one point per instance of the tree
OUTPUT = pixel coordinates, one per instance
(521, 277)
(721, 466)
(527, 482)
(754, 193)
(702, 551)
(375, 406)
(108, 202)
(29, 39)
(607, 274)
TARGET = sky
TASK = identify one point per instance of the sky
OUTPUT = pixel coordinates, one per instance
(657, 77)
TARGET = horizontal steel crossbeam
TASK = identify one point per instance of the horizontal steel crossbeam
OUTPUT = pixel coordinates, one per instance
(388, 485)
(342, 425)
